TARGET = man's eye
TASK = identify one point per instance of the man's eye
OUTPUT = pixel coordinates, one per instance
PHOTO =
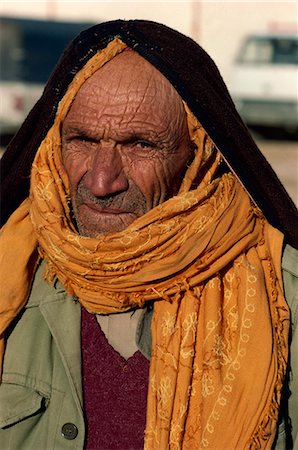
(144, 144)
(82, 139)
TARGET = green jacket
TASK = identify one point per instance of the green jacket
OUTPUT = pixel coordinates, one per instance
(41, 405)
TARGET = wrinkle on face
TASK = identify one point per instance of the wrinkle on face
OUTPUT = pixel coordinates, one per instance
(125, 144)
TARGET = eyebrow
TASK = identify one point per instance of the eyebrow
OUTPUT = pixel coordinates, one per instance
(125, 136)
(74, 130)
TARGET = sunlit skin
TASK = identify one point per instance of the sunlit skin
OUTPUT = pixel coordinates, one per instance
(125, 145)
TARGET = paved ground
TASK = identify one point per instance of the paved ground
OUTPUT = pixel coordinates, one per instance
(283, 157)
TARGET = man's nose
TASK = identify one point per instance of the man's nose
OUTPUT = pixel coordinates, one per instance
(105, 175)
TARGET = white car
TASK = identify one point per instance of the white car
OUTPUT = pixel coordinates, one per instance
(264, 82)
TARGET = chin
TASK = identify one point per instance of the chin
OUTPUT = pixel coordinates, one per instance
(94, 230)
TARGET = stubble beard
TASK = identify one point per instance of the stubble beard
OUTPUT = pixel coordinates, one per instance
(132, 202)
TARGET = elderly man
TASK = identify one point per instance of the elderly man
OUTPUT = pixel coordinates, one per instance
(142, 294)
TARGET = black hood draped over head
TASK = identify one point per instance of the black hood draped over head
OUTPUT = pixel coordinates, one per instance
(196, 78)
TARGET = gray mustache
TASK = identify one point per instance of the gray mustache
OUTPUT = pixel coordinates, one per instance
(128, 201)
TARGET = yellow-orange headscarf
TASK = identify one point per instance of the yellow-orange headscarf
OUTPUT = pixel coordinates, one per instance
(210, 262)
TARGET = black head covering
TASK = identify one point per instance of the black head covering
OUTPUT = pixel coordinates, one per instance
(196, 78)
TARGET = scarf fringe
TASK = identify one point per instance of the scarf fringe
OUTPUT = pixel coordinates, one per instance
(267, 427)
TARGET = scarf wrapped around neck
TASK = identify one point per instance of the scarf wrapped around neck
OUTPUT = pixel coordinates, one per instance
(208, 260)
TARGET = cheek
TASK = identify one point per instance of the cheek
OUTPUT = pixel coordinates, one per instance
(75, 165)
(158, 178)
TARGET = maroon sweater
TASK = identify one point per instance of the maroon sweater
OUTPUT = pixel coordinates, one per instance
(115, 392)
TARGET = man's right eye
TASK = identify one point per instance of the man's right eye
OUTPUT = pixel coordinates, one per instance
(81, 139)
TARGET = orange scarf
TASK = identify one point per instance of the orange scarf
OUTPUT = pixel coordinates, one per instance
(209, 261)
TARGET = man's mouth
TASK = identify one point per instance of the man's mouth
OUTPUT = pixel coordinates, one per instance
(93, 219)
(95, 215)
(105, 209)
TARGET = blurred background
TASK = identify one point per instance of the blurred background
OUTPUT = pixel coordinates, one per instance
(254, 44)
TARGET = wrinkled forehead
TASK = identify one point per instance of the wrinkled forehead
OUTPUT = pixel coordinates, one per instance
(126, 96)
(117, 67)
(127, 68)
(130, 82)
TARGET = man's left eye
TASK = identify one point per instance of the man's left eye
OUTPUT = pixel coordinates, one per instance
(144, 144)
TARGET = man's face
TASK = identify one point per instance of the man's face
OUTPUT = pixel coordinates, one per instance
(125, 144)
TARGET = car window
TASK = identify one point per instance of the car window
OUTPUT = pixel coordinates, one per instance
(269, 50)
(30, 49)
